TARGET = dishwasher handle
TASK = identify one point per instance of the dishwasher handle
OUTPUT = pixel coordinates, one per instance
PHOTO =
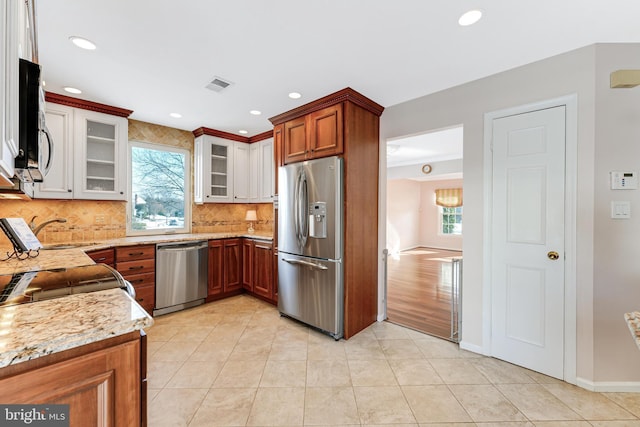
(182, 247)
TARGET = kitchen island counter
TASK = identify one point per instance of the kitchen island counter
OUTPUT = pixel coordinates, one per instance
(42, 328)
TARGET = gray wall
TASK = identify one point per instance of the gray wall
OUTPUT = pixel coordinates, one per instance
(608, 284)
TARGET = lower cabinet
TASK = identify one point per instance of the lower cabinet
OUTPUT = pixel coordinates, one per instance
(103, 256)
(258, 269)
(103, 383)
(137, 264)
(242, 264)
(225, 268)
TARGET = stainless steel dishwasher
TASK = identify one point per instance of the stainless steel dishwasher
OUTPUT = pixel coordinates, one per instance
(181, 276)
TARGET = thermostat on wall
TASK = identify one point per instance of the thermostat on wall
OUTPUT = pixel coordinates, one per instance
(624, 180)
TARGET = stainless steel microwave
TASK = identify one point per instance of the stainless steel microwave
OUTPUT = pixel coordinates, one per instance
(29, 164)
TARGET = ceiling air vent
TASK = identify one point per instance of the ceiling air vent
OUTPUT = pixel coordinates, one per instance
(218, 84)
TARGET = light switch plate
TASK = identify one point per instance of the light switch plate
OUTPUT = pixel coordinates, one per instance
(621, 210)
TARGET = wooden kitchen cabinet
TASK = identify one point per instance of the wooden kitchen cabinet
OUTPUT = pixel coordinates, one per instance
(225, 268)
(103, 256)
(103, 383)
(262, 271)
(257, 268)
(137, 264)
(317, 134)
(247, 264)
(344, 123)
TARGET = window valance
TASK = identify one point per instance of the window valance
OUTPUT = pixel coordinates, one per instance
(449, 197)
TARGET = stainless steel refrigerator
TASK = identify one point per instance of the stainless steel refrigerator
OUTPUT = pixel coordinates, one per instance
(310, 247)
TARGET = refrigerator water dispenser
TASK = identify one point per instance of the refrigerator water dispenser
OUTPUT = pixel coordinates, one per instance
(318, 220)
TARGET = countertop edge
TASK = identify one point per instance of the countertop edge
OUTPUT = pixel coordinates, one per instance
(72, 330)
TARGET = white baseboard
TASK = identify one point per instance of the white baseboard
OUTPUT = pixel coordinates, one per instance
(609, 386)
(472, 348)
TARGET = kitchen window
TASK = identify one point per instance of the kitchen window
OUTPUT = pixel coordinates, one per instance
(159, 183)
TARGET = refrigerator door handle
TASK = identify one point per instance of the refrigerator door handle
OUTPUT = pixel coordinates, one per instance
(306, 263)
(300, 209)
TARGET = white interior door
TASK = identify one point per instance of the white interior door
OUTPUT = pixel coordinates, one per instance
(527, 290)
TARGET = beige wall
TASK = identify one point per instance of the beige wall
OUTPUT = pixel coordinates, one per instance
(570, 73)
(90, 220)
(413, 216)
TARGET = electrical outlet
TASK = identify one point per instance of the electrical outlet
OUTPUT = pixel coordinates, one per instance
(99, 219)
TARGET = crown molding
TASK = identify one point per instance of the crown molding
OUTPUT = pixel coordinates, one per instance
(346, 94)
(56, 98)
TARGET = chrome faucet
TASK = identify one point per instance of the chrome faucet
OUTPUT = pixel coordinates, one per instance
(37, 229)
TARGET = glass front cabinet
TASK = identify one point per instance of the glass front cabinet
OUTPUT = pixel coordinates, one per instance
(213, 170)
(101, 156)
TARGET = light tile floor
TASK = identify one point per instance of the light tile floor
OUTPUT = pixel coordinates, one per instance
(236, 362)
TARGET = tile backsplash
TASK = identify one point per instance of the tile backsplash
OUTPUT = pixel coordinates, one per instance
(90, 220)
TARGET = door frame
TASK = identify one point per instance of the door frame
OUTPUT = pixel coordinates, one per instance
(570, 102)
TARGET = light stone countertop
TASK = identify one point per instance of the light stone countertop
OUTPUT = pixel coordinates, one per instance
(29, 332)
(633, 321)
(67, 258)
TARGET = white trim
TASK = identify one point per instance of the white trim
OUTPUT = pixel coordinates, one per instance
(187, 188)
(609, 386)
(473, 348)
(570, 326)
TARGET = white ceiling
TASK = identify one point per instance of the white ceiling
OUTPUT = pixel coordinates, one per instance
(156, 56)
(434, 146)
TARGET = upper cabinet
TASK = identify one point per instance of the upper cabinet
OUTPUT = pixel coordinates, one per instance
(213, 158)
(318, 134)
(89, 159)
(10, 36)
(228, 171)
(100, 156)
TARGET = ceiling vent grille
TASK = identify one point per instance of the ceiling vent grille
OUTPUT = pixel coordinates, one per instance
(218, 84)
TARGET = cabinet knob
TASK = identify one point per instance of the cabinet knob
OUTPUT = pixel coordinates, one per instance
(122, 192)
(69, 191)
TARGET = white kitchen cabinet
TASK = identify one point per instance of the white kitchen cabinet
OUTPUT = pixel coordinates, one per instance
(266, 171)
(242, 173)
(213, 170)
(9, 54)
(100, 143)
(233, 172)
(89, 155)
(58, 182)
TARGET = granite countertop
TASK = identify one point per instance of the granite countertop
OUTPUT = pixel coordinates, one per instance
(67, 258)
(633, 321)
(82, 319)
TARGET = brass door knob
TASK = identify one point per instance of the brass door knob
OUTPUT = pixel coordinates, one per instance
(553, 255)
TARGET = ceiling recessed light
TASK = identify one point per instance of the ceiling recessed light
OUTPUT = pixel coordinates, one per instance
(82, 43)
(175, 115)
(242, 131)
(255, 112)
(72, 90)
(470, 18)
(294, 95)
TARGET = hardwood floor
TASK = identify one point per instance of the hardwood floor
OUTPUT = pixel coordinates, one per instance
(419, 290)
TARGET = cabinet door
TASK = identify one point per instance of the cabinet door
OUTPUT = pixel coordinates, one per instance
(232, 265)
(278, 135)
(58, 182)
(9, 35)
(326, 132)
(254, 172)
(247, 260)
(295, 140)
(216, 267)
(198, 170)
(266, 178)
(218, 170)
(262, 271)
(242, 172)
(101, 155)
(102, 388)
